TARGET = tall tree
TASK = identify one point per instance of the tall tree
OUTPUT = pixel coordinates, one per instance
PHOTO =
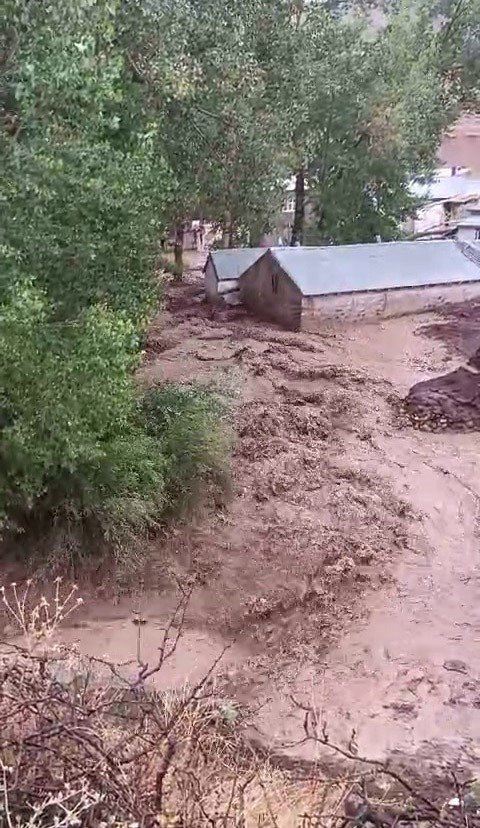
(369, 108)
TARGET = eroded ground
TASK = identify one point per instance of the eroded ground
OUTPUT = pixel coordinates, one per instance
(345, 566)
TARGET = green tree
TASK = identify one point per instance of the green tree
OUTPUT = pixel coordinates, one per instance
(84, 190)
(370, 108)
(82, 176)
(220, 131)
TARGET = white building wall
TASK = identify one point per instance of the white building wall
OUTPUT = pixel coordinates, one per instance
(371, 305)
(211, 283)
(428, 217)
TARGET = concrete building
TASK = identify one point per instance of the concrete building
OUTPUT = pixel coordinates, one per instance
(461, 143)
(443, 202)
(469, 226)
(301, 288)
(223, 269)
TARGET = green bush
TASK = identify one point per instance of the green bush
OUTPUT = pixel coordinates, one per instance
(191, 422)
(82, 190)
(77, 448)
(71, 447)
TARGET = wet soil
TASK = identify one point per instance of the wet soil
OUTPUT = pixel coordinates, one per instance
(450, 401)
(344, 571)
(457, 326)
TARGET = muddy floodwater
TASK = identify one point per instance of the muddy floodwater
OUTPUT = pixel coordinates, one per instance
(344, 571)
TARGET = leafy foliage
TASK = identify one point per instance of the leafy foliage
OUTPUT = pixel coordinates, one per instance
(191, 424)
(79, 190)
(81, 204)
(72, 449)
(369, 112)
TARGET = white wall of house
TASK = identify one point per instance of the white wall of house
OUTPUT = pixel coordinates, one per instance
(211, 282)
(371, 305)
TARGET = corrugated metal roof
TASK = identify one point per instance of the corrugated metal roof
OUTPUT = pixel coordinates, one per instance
(347, 268)
(230, 264)
(453, 187)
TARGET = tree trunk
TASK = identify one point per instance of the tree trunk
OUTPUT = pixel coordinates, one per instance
(299, 218)
(178, 247)
(227, 231)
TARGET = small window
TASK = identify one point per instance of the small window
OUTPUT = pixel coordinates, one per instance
(477, 235)
(289, 204)
(274, 282)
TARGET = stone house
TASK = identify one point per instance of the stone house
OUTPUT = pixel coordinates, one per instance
(223, 269)
(302, 288)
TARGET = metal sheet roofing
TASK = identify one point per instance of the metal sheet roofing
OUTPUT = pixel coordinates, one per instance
(452, 188)
(230, 264)
(348, 268)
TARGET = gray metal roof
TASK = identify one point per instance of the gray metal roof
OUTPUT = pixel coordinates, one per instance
(347, 268)
(443, 189)
(230, 264)
(470, 221)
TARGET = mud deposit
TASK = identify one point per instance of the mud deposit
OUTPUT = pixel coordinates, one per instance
(345, 566)
(451, 401)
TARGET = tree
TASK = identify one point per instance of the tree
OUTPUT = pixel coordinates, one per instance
(368, 113)
(81, 196)
(221, 133)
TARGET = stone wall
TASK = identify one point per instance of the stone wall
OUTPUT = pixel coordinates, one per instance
(384, 303)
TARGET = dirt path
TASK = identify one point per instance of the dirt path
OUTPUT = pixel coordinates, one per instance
(346, 565)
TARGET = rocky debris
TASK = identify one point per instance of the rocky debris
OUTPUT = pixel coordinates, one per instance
(454, 665)
(474, 361)
(449, 402)
(457, 327)
(283, 420)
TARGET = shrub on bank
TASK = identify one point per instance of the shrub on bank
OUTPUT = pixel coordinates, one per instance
(79, 451)
(83, 186)
(76, 447)
(72, 450)
(191, 424)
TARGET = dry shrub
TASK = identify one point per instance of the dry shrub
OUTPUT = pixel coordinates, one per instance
(85, 742)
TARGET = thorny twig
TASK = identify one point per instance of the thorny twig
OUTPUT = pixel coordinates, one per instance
(318, 734)
(76, 744)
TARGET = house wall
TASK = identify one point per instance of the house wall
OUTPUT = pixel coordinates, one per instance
(461, 144)
(468, 234)
(227, 289)
(369, 305)
(211, 281)
(270, 294)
